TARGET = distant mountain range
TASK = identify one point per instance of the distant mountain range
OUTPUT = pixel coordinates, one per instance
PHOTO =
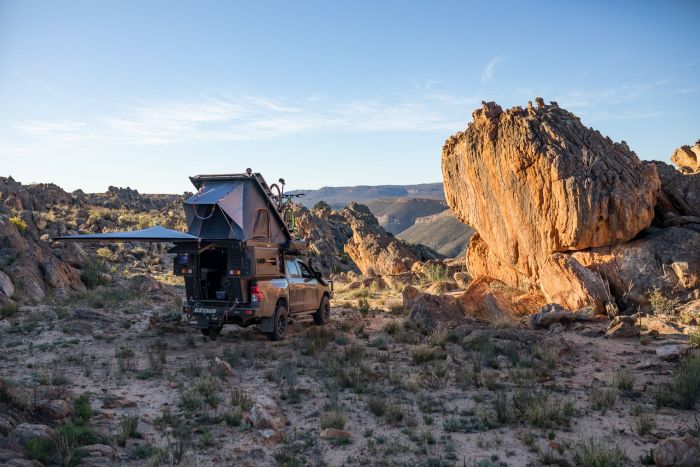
(339, 197)
(415, 213)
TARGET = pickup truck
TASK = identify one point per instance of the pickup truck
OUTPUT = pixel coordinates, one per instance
(248, 284)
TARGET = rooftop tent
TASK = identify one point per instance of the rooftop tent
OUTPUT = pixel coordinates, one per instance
(152, 234)
(235, 207)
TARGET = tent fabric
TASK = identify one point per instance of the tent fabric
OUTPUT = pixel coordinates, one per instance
(152, 234)
(230, 209)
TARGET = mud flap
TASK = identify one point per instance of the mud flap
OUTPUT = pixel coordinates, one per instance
(267, 324)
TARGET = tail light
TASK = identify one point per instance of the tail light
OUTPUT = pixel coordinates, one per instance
(187, 309)
(256, 294)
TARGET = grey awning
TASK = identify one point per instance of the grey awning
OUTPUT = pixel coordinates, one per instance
(152, 234)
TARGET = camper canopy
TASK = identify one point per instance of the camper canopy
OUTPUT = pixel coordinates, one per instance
(235, 207)
(152, 234)
(225, 207)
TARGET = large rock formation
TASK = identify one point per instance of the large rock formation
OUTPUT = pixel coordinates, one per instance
(327, 233)
(538, 186)
(687, 158)
(374, 250)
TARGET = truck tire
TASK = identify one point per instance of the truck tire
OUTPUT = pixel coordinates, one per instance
(281, 322)
(323, 314)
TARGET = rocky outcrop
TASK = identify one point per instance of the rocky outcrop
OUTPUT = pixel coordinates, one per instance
(34, 267)
(536, 181)
(374, 250)
(687, 158)
(327, 232)
(562, 211)
(679, 200)
(659, 259)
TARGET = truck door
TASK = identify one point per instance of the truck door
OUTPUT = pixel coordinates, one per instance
(311, 297)
(296, 286)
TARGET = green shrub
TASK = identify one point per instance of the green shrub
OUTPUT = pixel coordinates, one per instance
(82, 407)
(662, 304)
(9, 309)
(333, 419)
(363, 306)
(19, 223)
(40, 449)
(683, 390)
(597, 453)
(92, 274)
(436, 272)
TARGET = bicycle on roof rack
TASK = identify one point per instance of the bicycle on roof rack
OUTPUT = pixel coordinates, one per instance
(283, 203)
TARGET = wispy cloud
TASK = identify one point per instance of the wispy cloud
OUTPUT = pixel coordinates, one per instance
(255, 117)
(489, 69)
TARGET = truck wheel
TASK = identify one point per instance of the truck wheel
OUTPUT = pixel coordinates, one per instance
(280, 325)
(323, 314)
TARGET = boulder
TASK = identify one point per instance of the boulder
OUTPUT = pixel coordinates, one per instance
(491, 300)
(536, 181)
(687, 158)
(564, 280)
(622, 329)
(462, 279)
(638, 267)
(24, 432)
(57, 409)
(265, 414)
(678, 452)
(550, 314)
(679, 200)
(427, 311)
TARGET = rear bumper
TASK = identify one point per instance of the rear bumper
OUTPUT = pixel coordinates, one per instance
(212, 314)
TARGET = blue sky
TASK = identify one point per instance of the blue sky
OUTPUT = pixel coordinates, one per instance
(144, 94)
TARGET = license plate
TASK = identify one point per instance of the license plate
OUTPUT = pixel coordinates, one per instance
(205, 311)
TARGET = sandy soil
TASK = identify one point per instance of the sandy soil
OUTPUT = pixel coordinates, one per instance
(477, 396)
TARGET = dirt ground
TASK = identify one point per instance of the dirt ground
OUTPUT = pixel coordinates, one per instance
(474, 395)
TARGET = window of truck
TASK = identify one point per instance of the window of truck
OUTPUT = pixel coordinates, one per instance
(292, 268)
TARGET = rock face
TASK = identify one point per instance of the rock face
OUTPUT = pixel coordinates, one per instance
(376, 252)
(679, 200)
(666, 259)
(327, 233)
(687, 158)
(563, 212)
(534, 182)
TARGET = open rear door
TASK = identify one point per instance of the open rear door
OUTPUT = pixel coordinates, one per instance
(152, 234)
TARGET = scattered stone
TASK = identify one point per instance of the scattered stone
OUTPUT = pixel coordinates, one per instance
(622, 329)
(221, 368)
(550, 314)
(118, 403)
(678, 452)
(426, 311)
(99, 450)
(336, 434)
(462, 279)
(266, 414)
(672, 352)
(57, 409)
